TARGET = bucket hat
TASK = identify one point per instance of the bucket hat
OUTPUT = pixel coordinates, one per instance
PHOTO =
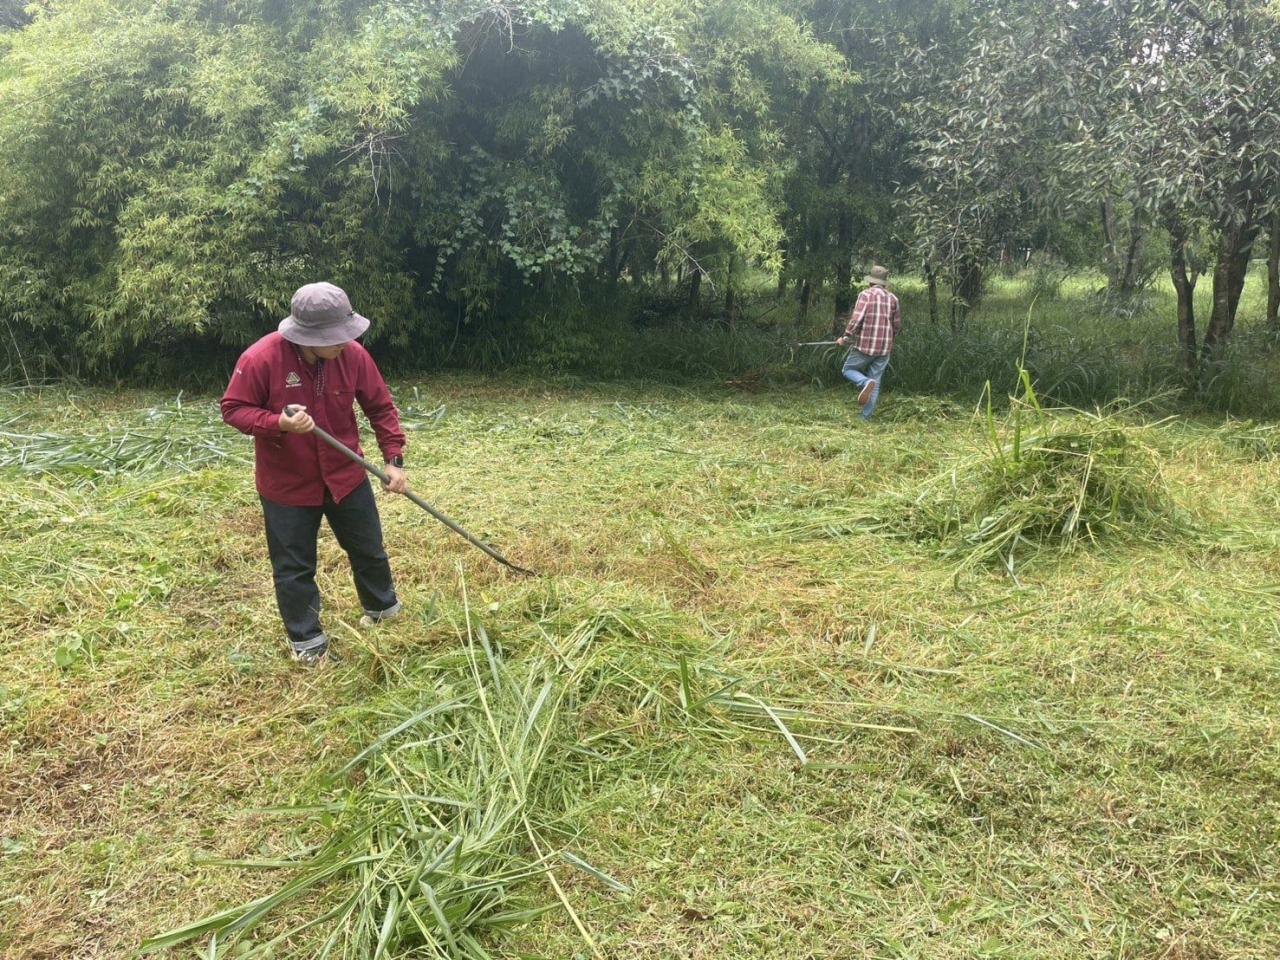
(879, 276)
(321, 316)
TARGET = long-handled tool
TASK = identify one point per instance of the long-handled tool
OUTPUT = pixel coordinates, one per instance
(381, 475)
(820, 343)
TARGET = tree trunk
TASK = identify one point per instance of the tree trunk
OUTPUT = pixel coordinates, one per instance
(729, 302)
(1184, 283)
(844, 271)
(617, 257)
(695, 289)
(1273, 274)
(839, 321)
(970, 288)
(931, 274)
(1108, 210)
(1132, 260)
(782, 271)
(1238, 229)
(1122, 267)
(806, 292)
(1228, 282)
(966, 291)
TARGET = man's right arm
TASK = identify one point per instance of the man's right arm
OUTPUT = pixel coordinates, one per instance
(244, 402)
(855, 320)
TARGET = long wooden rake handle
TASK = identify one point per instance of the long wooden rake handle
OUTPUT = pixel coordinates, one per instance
(381, 475)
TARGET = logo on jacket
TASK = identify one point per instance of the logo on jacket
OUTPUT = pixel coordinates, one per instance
(293, 380)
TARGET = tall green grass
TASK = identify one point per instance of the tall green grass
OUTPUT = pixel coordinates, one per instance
(1081, 348)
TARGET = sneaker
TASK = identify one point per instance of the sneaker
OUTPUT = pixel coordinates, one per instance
(372, 618)
(867, 392)
(316, 656)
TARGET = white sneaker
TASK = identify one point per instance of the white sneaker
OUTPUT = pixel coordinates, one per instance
(372, 618)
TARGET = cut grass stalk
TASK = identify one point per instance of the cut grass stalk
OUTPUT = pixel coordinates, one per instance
(1040, 480)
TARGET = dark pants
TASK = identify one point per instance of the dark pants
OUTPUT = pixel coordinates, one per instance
(291, 541)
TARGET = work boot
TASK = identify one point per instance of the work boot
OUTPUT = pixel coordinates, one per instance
(866, 393)
(372, 618)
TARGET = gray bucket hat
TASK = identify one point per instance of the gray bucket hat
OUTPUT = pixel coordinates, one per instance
(879, 276)
(321, 316)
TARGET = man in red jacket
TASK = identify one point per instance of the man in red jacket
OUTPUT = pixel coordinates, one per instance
(314, 364)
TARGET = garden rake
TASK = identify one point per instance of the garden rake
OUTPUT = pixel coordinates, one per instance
(381, 475)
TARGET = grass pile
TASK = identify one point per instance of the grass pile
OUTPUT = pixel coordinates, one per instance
(163, 438)
(475, 786)
(1038, 479)
(1042, 481)
(1258, 441)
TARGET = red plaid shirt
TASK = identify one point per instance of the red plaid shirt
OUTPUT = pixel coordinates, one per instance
(874, 323)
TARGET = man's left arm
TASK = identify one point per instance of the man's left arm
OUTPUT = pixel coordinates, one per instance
(375, 400)
(895, 315)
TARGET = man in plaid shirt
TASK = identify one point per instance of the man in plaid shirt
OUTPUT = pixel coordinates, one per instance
(875, 321)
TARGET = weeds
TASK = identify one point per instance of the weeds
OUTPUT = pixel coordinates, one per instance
(166, 438)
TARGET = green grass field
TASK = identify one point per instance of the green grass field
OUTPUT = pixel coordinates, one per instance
(1077, 761)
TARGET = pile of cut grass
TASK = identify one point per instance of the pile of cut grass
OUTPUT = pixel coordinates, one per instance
(165, 438)
(1043, 481)
(1259, 441)
(472, 788)
(1040, 479)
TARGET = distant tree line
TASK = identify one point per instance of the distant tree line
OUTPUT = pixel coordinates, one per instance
(486, 173)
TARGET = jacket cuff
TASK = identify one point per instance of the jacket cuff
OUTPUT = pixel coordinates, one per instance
(268, 426)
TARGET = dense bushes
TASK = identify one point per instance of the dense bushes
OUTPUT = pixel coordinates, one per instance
(172, 171)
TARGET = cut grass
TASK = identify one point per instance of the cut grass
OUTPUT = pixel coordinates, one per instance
(1046, 481)
(1035, 479)
(434, 827)
(1080, 765)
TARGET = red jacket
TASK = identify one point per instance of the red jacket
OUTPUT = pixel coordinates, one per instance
(295, 469)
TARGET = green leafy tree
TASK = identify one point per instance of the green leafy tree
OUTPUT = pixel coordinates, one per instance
(1170, 110)
(170, 172)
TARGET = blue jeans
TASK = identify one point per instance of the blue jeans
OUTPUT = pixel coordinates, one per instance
(860, 368)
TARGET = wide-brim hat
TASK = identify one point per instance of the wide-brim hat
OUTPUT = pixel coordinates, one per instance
(321, 316)
(878, 275)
